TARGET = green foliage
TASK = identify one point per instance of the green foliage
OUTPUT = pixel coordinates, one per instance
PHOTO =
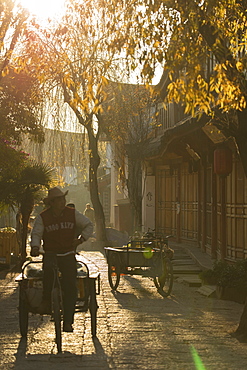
(225, 274)
(20, 102)
(20, 178)
(12, 162)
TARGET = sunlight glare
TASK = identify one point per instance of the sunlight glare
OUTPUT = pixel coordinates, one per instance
(44, 9)
(197, 360)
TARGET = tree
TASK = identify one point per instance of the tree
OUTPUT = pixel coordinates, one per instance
(11, 26)
(202, 47)
(128, 121)
(34, 178)
(77, 57)
(20, 96)
(22, 185)
(20, 103)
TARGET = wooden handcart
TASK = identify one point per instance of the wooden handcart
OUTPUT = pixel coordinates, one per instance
(148, 258)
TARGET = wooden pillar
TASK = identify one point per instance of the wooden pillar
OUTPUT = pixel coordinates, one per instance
(178, 204)
(199, 207)
(223, 167)
(204, 208)
(223, 217)
(214, 216)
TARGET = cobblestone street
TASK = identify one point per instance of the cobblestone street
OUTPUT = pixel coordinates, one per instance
(137, 329)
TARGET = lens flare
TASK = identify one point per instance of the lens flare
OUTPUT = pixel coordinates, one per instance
(197, 360)
(148, 253)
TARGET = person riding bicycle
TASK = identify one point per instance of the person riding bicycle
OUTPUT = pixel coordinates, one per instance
(57, 227)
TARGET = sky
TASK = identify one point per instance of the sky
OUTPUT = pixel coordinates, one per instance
(43, 9)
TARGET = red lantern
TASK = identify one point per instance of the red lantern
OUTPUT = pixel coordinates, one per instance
(223, 161)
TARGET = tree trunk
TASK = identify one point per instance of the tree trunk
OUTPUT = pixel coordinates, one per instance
(25, 220)
(94, 162)
(25, 215)
(26, 209)
(134, 186)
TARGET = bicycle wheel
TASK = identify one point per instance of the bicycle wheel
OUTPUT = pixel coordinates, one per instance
(164, 282)
(23, 310)
(56, 308)
(113, 270)
(93, 307)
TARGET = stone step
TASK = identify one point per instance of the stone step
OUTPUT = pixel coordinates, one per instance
(181, 256)
(192, 281)
(185, 268)
(188, 269)
(182, 259)
(178, 254)
(207, 290)
(183, 262)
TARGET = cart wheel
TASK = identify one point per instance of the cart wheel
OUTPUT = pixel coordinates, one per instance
(93, 307)
(23, 310)
(56, 305)
(113, 271)
(164, 282)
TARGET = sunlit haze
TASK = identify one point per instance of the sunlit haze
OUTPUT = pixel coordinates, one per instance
(44, 9)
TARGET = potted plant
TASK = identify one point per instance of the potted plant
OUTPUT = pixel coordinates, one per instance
(230, 280)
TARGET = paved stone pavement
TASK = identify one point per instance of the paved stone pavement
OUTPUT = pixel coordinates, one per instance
(137, 329)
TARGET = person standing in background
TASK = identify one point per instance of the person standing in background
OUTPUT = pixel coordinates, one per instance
(89, 213)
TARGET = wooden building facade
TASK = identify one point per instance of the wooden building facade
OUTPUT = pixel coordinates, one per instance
(194, 201)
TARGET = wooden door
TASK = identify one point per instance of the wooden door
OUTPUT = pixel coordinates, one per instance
(189, 204)
(166, 201)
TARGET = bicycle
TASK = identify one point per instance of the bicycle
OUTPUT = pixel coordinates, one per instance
(31, 289)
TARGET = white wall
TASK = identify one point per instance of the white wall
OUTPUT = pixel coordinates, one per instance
(148, 204)
(117, 191)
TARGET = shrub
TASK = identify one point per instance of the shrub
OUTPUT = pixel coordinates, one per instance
(224, 274)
